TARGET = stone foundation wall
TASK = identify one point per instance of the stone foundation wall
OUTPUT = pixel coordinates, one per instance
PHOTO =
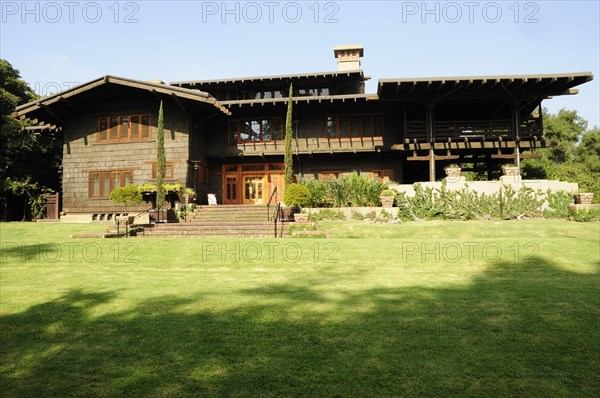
(492, 187)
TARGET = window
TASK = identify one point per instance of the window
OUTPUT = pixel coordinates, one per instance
(169, 170)
(382, 175)
(101, 183)
(329, 175)
(201, 174)
(353, 126)
(255, 130)
(123, 128)
(314, 91)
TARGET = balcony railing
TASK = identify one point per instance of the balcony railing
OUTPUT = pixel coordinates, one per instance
(464, 130)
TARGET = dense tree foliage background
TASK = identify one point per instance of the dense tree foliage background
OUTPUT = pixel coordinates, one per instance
(576, 157)
(29, 161)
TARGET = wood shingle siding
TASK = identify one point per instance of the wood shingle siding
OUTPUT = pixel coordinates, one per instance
(82, 154)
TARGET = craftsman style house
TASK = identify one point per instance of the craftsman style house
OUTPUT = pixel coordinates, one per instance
(226, 136)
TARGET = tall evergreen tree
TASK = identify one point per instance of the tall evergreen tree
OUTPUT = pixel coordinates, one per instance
(160, 159)
(288, 162)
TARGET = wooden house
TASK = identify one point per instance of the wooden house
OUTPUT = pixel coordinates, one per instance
(226, 136)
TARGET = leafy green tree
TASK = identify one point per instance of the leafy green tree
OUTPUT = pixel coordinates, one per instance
(588, 151)
(576, 158)
(25, 188)
(30, 158)
(566, 128)
(288, 162)
(160, 159)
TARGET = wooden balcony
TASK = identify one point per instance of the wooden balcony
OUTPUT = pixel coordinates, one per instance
(301, 145)
(472, 130)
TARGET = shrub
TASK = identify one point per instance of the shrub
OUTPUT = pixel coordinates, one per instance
(304, 227)
(147, 187)
(352, 189)
(356, 190)
(585, 215)
(327, 214)
(388, 192)
(296, 195)
(372, 215)
(172, 187)
(357, 215)
(558, 204)
(430, 203)
(128, 195)
(319, 194)
(384, 216)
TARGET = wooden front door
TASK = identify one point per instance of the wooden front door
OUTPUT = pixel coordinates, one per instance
(230, 189)
(276, 181)
(254, 189)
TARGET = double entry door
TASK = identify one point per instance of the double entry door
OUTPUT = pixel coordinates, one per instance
(253, 184)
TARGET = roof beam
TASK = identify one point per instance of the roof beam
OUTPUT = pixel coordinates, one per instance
(178, 102)
(52, 113)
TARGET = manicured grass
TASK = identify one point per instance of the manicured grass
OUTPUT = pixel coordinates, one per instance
(414, 309)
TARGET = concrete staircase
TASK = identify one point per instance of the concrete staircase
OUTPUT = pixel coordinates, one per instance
(221, 222)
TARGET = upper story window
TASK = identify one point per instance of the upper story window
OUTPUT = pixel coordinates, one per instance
(268, 94)
(312, 91)
(255, 130)
(124, 128)
(354, 126)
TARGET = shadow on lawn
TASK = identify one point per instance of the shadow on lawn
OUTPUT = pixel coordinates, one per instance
(519, 329)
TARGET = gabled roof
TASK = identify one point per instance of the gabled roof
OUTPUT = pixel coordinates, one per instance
(477, 86)
(45, 109)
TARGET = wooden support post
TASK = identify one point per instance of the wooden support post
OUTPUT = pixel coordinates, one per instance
(429, 120)
(431, 165)
(517, 135)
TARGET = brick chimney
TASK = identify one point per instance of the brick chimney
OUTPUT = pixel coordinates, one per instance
(348, 57)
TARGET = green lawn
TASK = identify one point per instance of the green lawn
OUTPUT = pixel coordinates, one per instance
(415, 309)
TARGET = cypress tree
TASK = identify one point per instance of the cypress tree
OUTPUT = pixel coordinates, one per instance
(288, 162)
(160, 159)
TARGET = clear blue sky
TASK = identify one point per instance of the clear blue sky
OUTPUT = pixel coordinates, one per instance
(57, 44)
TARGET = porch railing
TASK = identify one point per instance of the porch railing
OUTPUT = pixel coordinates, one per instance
(463, 130)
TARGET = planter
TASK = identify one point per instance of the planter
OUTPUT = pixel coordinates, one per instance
(510, 171)
(162, 215)
(125, 219)
(452, 171)
(387, 201)
(584, 198)
(286, 213)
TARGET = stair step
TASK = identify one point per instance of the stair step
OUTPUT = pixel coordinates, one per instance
(225, 221)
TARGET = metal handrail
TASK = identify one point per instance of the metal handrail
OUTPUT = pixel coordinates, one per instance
(276, 218)
(142, 213)
(127, 222)
(279, 218)
(269, 204)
